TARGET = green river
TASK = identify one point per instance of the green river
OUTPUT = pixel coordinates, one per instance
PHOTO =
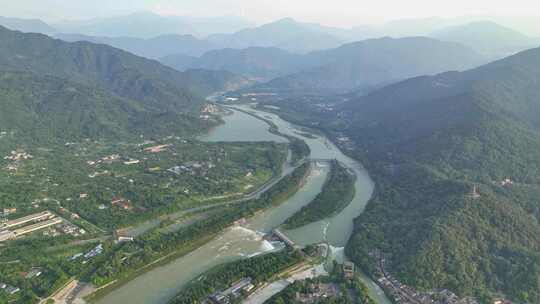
(160, 284)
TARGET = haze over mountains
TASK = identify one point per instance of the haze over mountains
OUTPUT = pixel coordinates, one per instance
(27, 25)
(156, 47)
(263, 63)
(375, 62)
(287, 34)
(148, 25)
(488, 38)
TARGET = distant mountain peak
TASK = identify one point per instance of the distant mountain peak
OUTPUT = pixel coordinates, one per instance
(487, 37)
(287, 20)
(27, 25)
(487, 26)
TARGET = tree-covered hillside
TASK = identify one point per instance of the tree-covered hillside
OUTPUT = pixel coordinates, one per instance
(120, 72)
(46, 108)
(426, 142)
(55, 90)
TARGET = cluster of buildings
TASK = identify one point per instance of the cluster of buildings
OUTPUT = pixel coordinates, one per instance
(33, 273)
(317, 292)
(88, 255)
(207, 111)
(245, 286)
(502, 301)
(96, 174)
(156, 149)
(324, 107)
(10, 290)
(38, 221)
(507, 182)
(109, 159)
(121, 237)
(16, 157)
(8, 211)
(403, 294)
(192, 167)
(28, 224)
(344, 142)
(348, 270)
(210, 109)
(94, 252)
(70, 229)
(122, 203)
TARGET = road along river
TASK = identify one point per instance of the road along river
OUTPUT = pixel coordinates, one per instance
(161, 283)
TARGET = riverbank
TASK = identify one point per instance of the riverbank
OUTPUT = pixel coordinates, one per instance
(160, 285)
(299, 149)
(254, 271)
(211, 228)
(101, 292)
(323, 142)
(338, 191)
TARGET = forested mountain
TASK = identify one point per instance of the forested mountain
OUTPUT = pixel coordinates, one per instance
(426, 141)
(254, 62)
(153, 48)
(120, 72)
(27, 25)
(39, 109)
(286, 34)
(488, 38)
(375, 62)
(55, 90)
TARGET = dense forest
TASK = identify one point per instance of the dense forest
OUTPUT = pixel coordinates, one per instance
(427, 142)
(336, 194)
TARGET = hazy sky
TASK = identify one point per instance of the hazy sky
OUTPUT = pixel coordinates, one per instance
(330, 12)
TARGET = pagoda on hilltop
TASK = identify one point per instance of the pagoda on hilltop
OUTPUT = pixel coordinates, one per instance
(474, 193)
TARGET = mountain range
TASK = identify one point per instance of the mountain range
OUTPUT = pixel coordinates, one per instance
(148, 25)
(373, 63)
(153, 48)
(360, 65)
(286, 34)
(261, 63)
(154, 36)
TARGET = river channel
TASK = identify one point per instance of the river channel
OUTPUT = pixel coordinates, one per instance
(160, 284)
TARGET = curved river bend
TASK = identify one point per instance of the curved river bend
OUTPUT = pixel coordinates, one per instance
(160, 284)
